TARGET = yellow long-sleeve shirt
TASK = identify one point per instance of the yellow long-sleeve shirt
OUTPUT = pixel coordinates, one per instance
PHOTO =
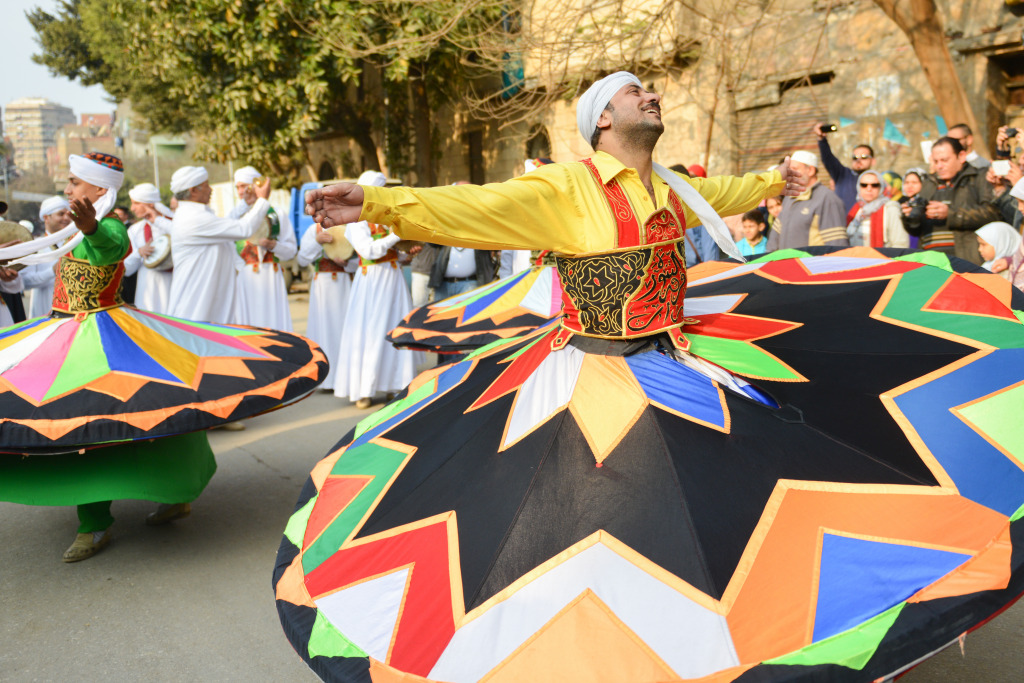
(558, 207)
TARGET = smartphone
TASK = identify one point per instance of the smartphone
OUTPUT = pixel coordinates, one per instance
(1001, 167)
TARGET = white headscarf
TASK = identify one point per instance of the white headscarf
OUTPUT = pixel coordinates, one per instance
(187, 177)
(52, 205)
(247, 175)
(101, 176)
(588, 111)
(147, 193)
(1003, 238)
(375, 178)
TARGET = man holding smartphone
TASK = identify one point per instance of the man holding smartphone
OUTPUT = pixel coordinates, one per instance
(845, 178)
(1005, 173)
(958, 202)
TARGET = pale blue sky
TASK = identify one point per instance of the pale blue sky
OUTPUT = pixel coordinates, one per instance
(21, 77)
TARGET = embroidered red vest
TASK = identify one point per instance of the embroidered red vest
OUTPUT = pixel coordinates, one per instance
(82, 288)
(637, 289)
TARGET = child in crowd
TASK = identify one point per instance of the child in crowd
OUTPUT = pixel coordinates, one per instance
(997, 241)
(774, 206)
(753, 242)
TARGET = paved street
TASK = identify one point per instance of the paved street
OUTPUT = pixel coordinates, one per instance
(193, 600)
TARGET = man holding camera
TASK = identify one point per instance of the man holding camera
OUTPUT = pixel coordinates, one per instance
(955, 202)
(1006, 171)
(845, 178)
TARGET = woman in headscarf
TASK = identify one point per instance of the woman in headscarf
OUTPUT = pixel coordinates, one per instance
(875, 220)
(997, 240)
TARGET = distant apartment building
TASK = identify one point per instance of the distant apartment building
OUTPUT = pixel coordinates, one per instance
(80, 139)
(31, 124)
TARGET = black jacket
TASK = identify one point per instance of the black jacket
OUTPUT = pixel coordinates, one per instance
(484, 267)
(971, 205)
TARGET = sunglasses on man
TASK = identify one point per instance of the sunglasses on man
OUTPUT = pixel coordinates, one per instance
(858, 157)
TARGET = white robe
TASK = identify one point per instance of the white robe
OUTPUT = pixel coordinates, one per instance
(367, 362)
(328, 302)
(15, 286)
(153, 287)
(204, 283)
(39, 280)
(262, 295)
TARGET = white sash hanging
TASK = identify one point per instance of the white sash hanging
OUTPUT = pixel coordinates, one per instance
(700, 206)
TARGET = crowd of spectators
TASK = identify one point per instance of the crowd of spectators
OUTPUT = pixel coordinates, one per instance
(962, 205)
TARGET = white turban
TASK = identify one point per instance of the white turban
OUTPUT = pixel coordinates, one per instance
(375, 178)
(187, 177)
(247, 175)
(597, 97)
(97, 174)
(805, 157)
(1017, 192)
(147, 193)
(52, 205)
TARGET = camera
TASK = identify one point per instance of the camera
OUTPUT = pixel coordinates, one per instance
(917, 201)
(829, 128)
(1012, 132)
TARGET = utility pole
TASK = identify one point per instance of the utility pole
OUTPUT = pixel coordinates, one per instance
(156, 163)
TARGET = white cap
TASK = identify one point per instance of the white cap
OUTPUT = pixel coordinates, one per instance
(805, 157)
(375, 178)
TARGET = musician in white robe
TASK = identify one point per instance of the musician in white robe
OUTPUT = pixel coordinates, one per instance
(367, 362)
(153, 288)
(38, 279)
(328, 296)
(204, 283)
(262, 294)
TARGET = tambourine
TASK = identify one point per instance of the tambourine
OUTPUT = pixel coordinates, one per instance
(14, 232)
(406, 245)
(340, 250)
(160, 258)
(262, 232)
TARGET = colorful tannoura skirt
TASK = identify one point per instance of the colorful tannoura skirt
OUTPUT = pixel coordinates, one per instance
(500, 310)
(536, 514)
(124, 374)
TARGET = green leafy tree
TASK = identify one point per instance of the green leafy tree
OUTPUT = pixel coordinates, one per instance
(255, 81)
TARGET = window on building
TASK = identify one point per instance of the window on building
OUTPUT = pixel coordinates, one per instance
(326, 171)
(777, 123)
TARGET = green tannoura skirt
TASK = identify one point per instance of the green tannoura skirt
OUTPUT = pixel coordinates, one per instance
(174, 469)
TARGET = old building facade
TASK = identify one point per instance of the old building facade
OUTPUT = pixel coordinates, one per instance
(743, 89)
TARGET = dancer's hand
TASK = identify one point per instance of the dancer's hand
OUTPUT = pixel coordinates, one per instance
(83, 213)
(795, 183)
(336, 204)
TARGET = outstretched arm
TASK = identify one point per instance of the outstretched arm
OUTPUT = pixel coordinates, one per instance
(536, 211)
